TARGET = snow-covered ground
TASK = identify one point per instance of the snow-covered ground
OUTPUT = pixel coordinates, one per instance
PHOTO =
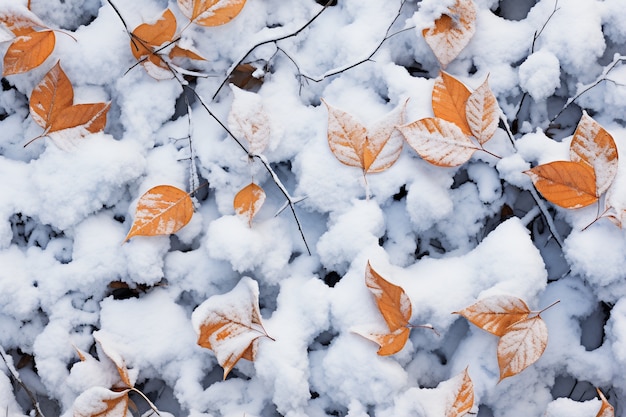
(447, 236)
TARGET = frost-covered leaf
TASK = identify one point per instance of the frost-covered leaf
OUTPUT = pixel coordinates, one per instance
(20, 21)
(496, 313)
(392, 301)
(117, 359)
(452, 31)
(595, 146)
(248, 201)
(346, 137)
(439, 142)
(482, 113)
(248, 119)
(463, 395)
(606, 409)
(521, 345)
(389, 343)
(102, 402)
(162, 210)
(449, 100)
(28, 51)
(52, 95)
(565, 183)
(211, 12)
(146, 39)
(230, 324)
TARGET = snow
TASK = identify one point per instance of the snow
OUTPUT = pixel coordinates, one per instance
(447, 236)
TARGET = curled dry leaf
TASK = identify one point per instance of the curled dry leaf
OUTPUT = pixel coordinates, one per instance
(521, 345)
(483, 113)
(28, 51)
(230, 324)
(449, 100)
(248, 201)
(439, 142)
(496, 314)
(565, 183)
(162, 210)
(606, 409)
(593, 145)
(247, 118)
(211, 12)
(452, 31)
(463, 395)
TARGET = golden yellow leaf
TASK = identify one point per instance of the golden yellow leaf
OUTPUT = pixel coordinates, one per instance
(449, 100)
(606, 409)
(595, 146)
(521, 345)
(28, 51)
(230, 324)
(463, 396)
(565, 183)
(211, 12)
(248, 201)
(439, 142)
(496, 313)
(482, 113)
(162, 210)
(102, 402)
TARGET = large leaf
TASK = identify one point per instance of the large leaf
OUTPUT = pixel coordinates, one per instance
(162, 210)
(211, 12)
(496, 313)
(248, 201)
(449, 99)
(521, 346)
(482, 113)
(565, 183)
(463, 395)
(28, 51)
(392, 301)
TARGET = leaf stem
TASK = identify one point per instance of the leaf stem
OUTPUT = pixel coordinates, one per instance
(544, 309)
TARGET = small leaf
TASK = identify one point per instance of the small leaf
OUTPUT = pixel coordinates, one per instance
(606, 409)
(389, 343)
(450, 101)
(595, 146)
(230, 324)
(392, 301)
(248, 201)
(521, 346)
(496, 313)
(211, 12)
(102, 402)
(162, 210)
(482, 113)
(439, 142)
(28, 51)
(346, 137)
(248, 119)
(180, 52)
(452, 31)
(565, 183)
(463, 396)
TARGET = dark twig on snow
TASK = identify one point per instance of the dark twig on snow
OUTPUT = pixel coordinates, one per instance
(16, 377)
(538, 33)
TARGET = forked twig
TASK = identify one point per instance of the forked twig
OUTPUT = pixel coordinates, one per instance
(16, 377)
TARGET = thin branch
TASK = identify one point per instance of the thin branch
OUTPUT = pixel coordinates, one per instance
(16, 377)
(119, 15)
(538, 33)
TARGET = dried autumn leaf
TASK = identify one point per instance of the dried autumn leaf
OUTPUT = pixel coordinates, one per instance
(28, 51)
(230, 324)
(606, 409)
(389, 343)
(117, 360)
(147, 38)
(565, 183)
(439, 142)
(102, 402)
(449, 100)
(19, 21)
(482, 113)
(521, 346)
(392, 301)
(384, 142)
(162, 210)
(463, 396)
(211, 12)
(248, 201)
(180, 52)
(247, 118)
(496, 314)
(595, 146)
(452, 31)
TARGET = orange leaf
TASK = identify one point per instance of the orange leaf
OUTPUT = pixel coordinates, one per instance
(463, 396)
(606, 409)
(450, 101)
(384, 142)
(521, 346)
(20, 22)
(117, 359)
(452, 31)
(346, 137)
(102, 402)
(482, 113)
(565, 183)
(179, 52)
(391, 299)
(28, 51)
(248, 118)
(162, 210)
(390, 343)
(230, 324)
(53, 94)
(211, 12)
(248, 201)
(496, 313)
(439, 142)
(595, 146)
(147, 38)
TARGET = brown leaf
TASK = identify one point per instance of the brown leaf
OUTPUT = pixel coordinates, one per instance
(392, 301)
(248, 201)
(449, 99)
(247, 118)
(28, 51)
(452, 31)
(53, 94)
(565, 183)
(482, 113)
(162, 210)
(102, 402)
(463, 396)
(211, 12)
(606, 409)
(230, 324)
(521, 346)
(595, 146)
(389, 343)
(496, 313)
(439, 142)
(243, 77)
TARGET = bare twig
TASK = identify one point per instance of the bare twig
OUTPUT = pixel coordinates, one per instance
(538, 33)
(16, 377)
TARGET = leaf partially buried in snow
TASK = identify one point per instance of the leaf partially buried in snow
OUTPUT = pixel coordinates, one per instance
(606, 409)
(211, 12)
(28, 51)
(247, 118)
(102, 402)
(248, 201)
(462, 398)
(147, 38)
(449, 100)
(162, 210)
(496, 313)
(521, 345)
(230, 324)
